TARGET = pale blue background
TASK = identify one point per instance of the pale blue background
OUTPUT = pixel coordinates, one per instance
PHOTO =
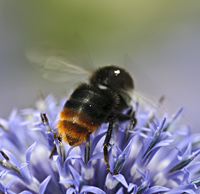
(161, 37)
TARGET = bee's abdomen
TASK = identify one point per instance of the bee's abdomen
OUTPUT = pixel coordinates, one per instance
(74, 126)
(83, 113)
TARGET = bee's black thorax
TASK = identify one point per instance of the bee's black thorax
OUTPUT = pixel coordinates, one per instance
(96, 103)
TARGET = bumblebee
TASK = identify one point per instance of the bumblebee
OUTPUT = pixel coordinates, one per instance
(94, 103)
(102, 99)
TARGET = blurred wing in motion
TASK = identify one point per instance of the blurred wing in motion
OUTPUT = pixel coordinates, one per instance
(63, 60)
(56, 66)
(155, 106)
(143, 97)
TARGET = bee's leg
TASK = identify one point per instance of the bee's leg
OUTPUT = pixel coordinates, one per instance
(130, 110)
(106, 144)
(87, 149)
(125, 117)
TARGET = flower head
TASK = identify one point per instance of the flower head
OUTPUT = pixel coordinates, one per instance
(155, 156)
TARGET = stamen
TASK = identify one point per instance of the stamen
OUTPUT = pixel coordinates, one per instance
(4, 126)
(10, 166)
(185, 161)
(119, 163)
(4, 155)
(87, 150)
(45, 121)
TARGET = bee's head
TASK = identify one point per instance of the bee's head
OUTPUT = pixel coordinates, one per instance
(114, 78)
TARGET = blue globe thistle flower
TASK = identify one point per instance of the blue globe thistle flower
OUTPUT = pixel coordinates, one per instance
(155, 156)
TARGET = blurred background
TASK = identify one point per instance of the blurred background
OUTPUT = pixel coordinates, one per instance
(162, 38)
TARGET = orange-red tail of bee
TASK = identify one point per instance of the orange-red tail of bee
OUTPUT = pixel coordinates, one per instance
(74, 126)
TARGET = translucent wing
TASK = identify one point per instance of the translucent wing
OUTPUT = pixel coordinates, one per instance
(61, 63)
(54, 66)
(142, 102)
(143, 99)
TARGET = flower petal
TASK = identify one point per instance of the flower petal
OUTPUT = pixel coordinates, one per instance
(71, 190)
(44, 184)
(185, 161)
(156, 189)
(190, 188)
(28, 155)
(121, 179)
(25, 192)
(91, 189)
